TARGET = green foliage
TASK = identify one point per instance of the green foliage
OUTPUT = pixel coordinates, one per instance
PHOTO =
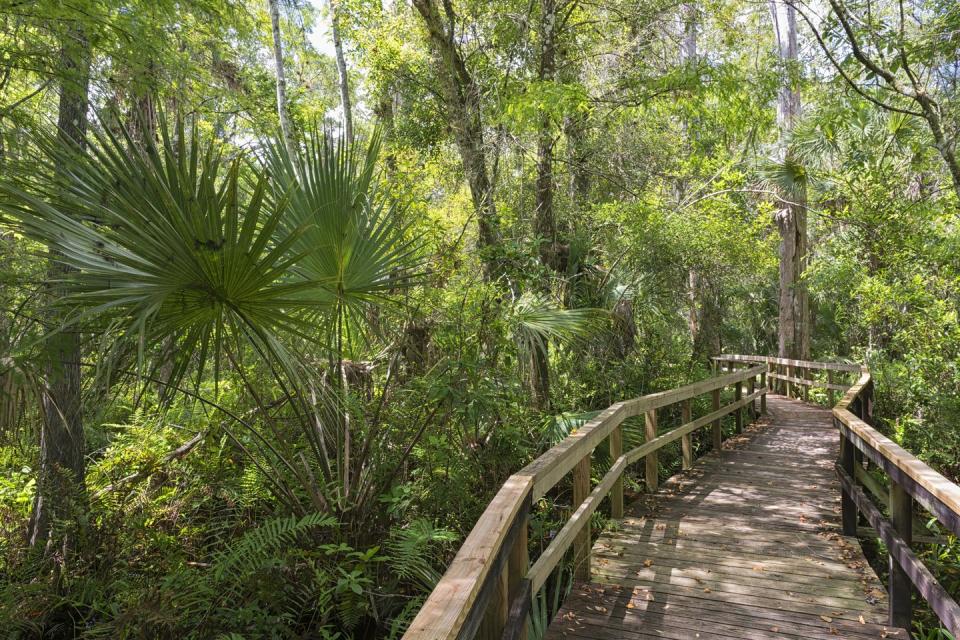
(300, 390)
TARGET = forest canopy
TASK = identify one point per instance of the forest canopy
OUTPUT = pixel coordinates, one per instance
(291, 287)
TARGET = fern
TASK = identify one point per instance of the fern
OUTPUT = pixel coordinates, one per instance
(409, 552)
(257, 548)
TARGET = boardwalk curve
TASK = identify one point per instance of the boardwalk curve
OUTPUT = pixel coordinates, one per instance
(746, 544)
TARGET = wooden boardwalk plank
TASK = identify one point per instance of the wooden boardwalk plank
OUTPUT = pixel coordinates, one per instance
(744, 545)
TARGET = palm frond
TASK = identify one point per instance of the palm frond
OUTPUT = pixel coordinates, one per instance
(789, 175)
(355, 246)
(534, 320)
(173, 242)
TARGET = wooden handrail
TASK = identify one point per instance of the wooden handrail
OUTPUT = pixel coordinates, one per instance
(780, 374)
(486, 590)
(809, 364)
(911, 480)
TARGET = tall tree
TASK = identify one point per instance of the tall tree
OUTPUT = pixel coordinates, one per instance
(286, 129)
(544, 220)
(342, 79)
(911, 55)
(461, 95)
(794, 307)
(545, 224)
(61, 478)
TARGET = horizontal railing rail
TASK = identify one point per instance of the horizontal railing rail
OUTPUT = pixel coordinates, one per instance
(793, 378)
(910, 481)
(487, 589)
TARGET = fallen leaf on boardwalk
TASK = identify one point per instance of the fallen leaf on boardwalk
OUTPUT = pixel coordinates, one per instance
(862, 621)
(648, 563)
(826, 618)
(630, 605)
(774, 629)
(707, 590)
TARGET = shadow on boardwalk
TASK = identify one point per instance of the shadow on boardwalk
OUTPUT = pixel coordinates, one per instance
(745, 545)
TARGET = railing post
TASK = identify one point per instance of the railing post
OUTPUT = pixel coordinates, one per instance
(581, 544)
(806, 374)
(771, 386)
(717, 430)
(790, 373)
(751, 387)
(517, 567)
(830, 395)
(763, 398)
(686, 440)
(498, 609)
(652, 463)
(848, 508)
(737, 396)
(508, 586)
(616, 493)
(901, 588)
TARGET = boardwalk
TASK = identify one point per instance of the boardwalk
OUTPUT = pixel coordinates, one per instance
(745, 545)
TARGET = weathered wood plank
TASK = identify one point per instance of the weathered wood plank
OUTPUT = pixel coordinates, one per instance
(580, 519)
(661, 441)
(937, 494)
(946, 608)
(580, 525)
(835, 366)
(748, 535)
(448, 610)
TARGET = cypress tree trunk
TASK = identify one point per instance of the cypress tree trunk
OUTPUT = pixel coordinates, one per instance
(61, 482)
(462, 99)
(286, 129)
(341, 72)
(794, 306)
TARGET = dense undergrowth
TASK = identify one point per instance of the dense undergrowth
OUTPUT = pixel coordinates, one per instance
(304, 363)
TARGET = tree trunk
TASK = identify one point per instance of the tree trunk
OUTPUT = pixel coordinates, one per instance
(462, 98)
(704, 316)
(341, 71)
(60, 493)
(544, 222)
(286, 129)
(794, 306)
(545, 225)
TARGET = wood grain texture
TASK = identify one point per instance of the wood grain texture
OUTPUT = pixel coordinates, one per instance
(651, 460)
(931, 489)
(746, 544)
(449, 605)
(835, 366)
(913, 569)
(578, 524)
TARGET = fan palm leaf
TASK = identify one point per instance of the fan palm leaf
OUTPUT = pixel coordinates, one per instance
(174, 242)
(356, 248)
(534, 320)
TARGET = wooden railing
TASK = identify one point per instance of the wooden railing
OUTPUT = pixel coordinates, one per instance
(795, 378)
(909, 482)
(487, 589)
